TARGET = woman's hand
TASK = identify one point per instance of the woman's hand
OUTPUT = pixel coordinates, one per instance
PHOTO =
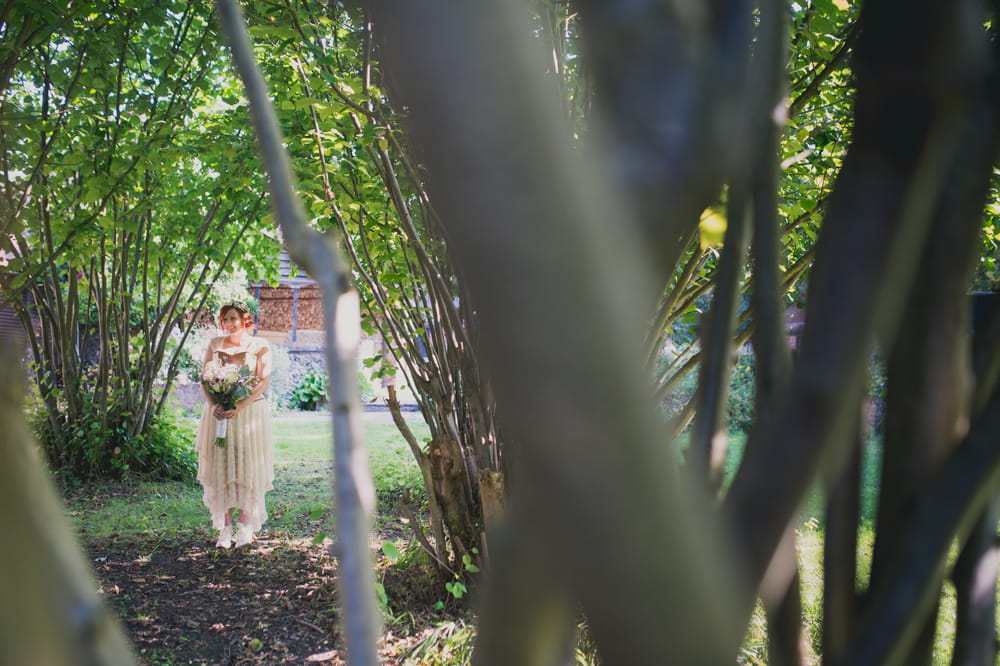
(221, 413)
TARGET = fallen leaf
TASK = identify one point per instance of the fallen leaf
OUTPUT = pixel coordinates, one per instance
(322, 656)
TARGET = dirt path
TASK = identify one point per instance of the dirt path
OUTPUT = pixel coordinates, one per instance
(183, 601)
(270, 603)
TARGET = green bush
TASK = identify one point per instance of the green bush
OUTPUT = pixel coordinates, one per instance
(166, 451)
(311, 393)
(742, 392)
(98, 446)
(366, 388)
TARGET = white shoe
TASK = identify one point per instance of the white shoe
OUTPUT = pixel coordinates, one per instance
(244, 535)
(225, 539)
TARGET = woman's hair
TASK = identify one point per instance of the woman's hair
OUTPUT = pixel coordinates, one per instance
(247, 316)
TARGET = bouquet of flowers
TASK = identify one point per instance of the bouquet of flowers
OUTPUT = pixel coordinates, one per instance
(227, 383)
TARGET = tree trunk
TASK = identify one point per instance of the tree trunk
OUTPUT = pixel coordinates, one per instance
(975, 578)
(49, 613)
(449, 487)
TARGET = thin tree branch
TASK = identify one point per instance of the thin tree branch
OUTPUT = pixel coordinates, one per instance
(354, 490)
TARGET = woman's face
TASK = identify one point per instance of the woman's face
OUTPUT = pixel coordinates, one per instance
(231, 321)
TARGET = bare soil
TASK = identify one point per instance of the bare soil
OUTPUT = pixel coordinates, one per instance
(273, 602)
(191, 603)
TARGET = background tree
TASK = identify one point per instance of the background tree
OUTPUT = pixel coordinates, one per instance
(361, 179)
(130, 187)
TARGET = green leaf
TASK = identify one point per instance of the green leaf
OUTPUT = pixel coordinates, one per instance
(305, 102)
(469, 566)
(712, 229)
(390, 550)
(457, 589)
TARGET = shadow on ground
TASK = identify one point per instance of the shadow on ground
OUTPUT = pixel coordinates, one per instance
(271, 602)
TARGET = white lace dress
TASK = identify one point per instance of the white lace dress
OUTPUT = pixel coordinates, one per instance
(239, 474)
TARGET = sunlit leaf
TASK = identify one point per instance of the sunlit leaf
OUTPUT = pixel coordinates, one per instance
(711, 229)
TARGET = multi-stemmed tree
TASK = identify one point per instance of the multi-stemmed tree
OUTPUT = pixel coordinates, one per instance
(362, 181)
(572, 248)
(361, 176)
(128, 190)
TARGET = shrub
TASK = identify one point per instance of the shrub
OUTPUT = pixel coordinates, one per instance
(366, 388)
(311, 393)
(98, 446)
(166, 451)
(742, 392)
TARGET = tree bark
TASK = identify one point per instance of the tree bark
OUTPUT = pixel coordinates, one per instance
(49, 612)
(840, 559)
(975, 578)
(593, 494)
(878, 222)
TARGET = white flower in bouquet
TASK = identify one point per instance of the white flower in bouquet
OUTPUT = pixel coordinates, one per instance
(227, 384)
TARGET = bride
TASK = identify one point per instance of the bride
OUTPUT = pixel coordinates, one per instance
(237, 474)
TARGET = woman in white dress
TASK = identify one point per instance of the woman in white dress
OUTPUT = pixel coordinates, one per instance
(237, 475)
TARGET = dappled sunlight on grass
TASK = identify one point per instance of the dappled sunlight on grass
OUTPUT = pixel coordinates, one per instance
(810, 549)
(302, 495)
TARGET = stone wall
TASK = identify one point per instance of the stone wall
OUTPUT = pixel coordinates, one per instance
(288, 370)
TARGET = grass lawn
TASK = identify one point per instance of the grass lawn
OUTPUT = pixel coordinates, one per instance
(809, 545)
(302, 486)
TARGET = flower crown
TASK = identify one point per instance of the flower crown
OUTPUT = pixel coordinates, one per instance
(233, 293)
(248, 306)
